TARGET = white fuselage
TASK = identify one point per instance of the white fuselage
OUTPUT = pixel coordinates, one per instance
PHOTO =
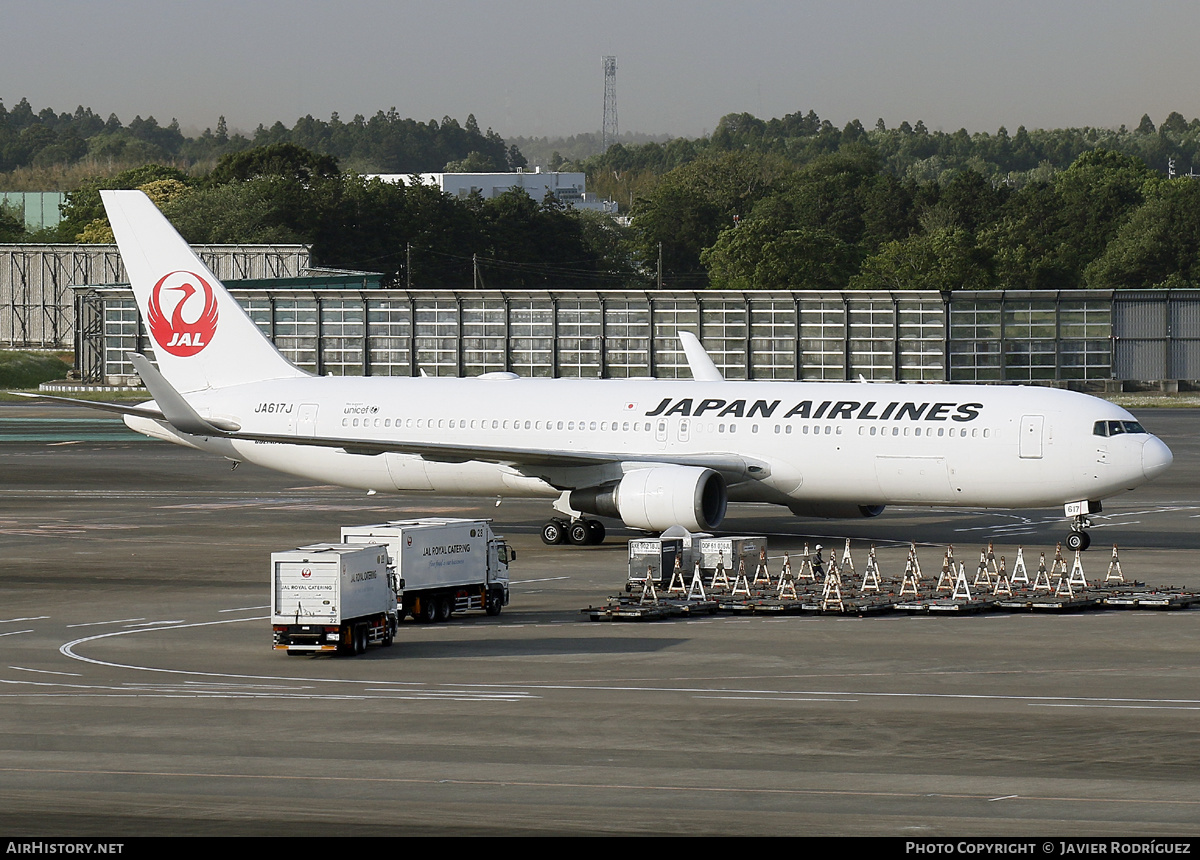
(814, 444)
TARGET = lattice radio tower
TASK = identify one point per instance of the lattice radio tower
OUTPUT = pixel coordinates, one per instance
(608, 135)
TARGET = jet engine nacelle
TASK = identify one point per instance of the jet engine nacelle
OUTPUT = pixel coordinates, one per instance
(659, 497)
(834, 510)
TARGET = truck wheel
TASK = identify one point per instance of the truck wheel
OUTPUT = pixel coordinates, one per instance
(426, 611)
(445, 608)
(360, 639)
(494, 603)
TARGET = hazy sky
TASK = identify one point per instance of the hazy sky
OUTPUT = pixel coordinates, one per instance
(528, 67)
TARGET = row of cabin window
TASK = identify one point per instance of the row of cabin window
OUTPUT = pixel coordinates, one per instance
(644, 426)
(495, 424)
(976, 432)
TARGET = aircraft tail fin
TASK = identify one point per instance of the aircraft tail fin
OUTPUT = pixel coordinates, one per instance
(202, 338)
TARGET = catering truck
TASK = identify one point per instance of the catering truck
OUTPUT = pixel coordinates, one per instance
(442, 565)
(332, 598)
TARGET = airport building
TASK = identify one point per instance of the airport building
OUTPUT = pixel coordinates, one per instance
(567, 188)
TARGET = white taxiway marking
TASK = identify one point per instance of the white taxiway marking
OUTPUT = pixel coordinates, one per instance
(102, 623)
(44, 671)
(155, 623)
(519, 692)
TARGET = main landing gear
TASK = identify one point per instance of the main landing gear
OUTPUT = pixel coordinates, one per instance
(580, 532)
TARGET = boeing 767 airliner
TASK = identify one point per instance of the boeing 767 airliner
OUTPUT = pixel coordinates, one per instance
(651, 453)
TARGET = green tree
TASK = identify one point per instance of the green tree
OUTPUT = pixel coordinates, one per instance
(1174, 123)
(686, 211)
(1158, 245)
(12, 224)
(948, 259)
(262, 210)
(755, 256)
(284, 160)
(475, 162)
(83, 206)
(1048, 234)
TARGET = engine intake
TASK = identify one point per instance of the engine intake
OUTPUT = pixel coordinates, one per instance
(659, 497)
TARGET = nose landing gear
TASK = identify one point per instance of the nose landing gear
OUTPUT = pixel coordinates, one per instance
(1079, 539)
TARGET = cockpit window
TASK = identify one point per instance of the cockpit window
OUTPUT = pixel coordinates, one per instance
(1116, 428)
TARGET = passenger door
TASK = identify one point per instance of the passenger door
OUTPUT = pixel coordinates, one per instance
(1031, 436)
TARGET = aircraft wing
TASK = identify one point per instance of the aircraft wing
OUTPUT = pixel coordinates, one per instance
(734, 467)
(174, 410)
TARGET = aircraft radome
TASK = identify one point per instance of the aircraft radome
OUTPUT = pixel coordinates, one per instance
(653, 453)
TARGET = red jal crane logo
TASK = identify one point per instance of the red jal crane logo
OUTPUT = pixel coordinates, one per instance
(183, 335)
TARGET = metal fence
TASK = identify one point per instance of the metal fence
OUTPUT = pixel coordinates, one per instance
(1156, 334)
(36, 308)
(1033, 337)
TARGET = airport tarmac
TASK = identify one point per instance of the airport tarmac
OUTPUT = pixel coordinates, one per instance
(139, 694)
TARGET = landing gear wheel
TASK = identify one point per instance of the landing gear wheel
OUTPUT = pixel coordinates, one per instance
(554, 532)
(579, 534)
(1078, 541)
(597, 529)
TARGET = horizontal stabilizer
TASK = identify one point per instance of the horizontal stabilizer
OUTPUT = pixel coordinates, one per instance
(117, 408)
(175, 409)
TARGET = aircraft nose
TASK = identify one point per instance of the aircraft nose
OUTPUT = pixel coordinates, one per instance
(1156, 457)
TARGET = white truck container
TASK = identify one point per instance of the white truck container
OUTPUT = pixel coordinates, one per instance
(442, 565)
(332, 597)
